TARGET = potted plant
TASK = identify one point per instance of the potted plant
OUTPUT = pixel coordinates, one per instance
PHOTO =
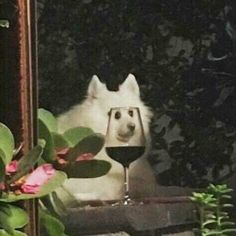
(213, 217)
(20, 181)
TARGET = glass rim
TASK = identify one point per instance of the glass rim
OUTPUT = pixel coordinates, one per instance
(128, 107)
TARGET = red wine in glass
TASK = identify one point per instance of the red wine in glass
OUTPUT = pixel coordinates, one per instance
(125, 154)
(125, 140)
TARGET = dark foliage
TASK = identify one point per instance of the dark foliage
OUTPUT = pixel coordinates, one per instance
(183, 55)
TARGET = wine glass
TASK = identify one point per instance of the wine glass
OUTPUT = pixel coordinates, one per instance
(125, 140)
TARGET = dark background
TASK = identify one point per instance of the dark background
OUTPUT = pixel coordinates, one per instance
(183, 55)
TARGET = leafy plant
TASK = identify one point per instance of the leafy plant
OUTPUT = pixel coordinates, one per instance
(51, 224)
(213, 218)
(12, 219)
(17, 181)
(72, 152)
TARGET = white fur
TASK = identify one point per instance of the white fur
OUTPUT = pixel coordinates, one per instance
(93, 113)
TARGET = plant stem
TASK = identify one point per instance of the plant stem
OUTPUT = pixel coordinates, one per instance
(202, 213)
(218, 212)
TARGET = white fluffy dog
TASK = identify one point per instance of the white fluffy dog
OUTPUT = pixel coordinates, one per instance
(93, 113)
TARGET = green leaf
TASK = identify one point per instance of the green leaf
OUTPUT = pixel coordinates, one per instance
(210, 215)
(27, 163)
(48, 119)
(212, 232)
(228, 230)
(226, 196)
(15, 233)
(53, 183)
(2, 155)
(2, 167)
(7, 143)
(45, 134)
(207, 222)
(51, 224)
(12, 217)
(54, 204)
(227, 223)
(90, 144)
(4, 221)
(75, 135)
(59, 141)
(227, 205)
(57, 204)
(87, 169)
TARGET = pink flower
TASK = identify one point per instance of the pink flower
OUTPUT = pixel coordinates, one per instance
(37, 178)
(2, 186)
(12, 167)
(62, 154)
(85, 157)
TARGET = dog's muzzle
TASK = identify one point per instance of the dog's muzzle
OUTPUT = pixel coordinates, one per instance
(124, 134)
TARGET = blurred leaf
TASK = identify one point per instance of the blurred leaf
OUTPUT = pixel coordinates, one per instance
(53, 183)
(58, 205)
(12, 217)
(15, 233)
(172, 124)
(45, 134)
(7, 143)
(207, 222)
(161, 133)
(2, 167)
(27, 162)
(52, 225)
(224, 94)
(59, 141)
(162, 142)
(89, 144)
(228, 223)
(177, 143)
(4, 23)
(87, 169)
(74, 135)
(227, 231)
(4, 221)
(48, 119)
(54, 204)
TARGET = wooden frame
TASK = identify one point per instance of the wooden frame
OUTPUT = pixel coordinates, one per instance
(28, 88)
(18, 83)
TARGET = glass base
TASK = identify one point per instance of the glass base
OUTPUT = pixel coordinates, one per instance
(127, 202)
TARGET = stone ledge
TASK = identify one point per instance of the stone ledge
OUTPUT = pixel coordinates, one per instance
(154, 214)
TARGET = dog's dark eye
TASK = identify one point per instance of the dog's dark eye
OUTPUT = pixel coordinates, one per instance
(131, 113)
(117, 115)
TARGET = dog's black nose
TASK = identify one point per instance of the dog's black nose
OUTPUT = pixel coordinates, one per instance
(131, 126)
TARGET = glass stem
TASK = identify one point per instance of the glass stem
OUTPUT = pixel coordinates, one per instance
(126, 185)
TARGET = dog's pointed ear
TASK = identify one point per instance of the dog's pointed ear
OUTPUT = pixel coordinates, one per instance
(95, 86)
(130, 84)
